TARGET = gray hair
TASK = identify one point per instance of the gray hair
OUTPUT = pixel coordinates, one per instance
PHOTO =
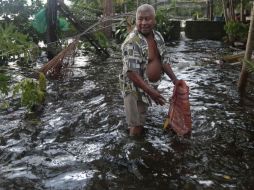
(145, 7)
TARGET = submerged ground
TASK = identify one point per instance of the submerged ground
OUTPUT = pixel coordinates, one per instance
(79, 140)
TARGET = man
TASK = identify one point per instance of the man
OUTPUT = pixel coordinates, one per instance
(144, 62)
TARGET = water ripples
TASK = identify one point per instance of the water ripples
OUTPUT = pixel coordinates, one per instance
(80, 140)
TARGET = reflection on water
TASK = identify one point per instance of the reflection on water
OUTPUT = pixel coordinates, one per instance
(80, 140)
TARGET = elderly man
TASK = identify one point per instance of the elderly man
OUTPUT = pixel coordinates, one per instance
(144, 62)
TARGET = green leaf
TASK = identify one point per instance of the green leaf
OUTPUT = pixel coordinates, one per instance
(14, 43)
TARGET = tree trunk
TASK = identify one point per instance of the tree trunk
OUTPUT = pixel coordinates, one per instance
(107, 13)
(241, 12)
(231, 10)
(125, 8)
(224, 3)
(211, 10)
(52, 28)
(208, 10)
(249, 46)
(155, 4)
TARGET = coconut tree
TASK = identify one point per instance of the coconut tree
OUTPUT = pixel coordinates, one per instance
(248, 53)
(108, 12)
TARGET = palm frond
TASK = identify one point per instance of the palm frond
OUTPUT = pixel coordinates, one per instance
(250, 65)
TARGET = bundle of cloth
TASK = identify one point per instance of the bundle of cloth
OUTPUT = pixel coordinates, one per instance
(179, 115)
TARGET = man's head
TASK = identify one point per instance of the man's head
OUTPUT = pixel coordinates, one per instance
(145, 19)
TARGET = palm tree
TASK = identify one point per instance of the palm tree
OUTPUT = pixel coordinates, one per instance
(248, 53)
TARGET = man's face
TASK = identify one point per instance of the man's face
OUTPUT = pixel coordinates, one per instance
(145, 22)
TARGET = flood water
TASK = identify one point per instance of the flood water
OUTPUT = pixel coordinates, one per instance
(80, 141)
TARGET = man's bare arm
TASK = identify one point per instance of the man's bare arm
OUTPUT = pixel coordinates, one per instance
(168, 70)
(138, 81)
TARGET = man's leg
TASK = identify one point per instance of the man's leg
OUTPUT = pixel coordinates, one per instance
(135, 114)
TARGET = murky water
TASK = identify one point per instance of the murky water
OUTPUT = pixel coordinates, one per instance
(79, 140)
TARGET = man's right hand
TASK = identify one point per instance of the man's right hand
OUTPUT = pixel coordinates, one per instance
(156, 96)
(153, 93)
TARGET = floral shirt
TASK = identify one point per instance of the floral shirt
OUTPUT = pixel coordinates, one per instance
(135, 58)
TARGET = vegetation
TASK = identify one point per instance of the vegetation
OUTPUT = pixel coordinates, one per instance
(163, 24)
(122, 29)
(16, 33)
(19, 40)
(32, 91)
(4, 87)
(236, 31)
(19, 13)
(15, 45)
(4, 90)
(250, 66)
(102, 39)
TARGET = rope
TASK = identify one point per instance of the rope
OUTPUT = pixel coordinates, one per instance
(87, 31)
(55, 64)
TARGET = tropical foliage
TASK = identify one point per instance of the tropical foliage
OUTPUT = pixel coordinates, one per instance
(102, 39)
(15, 45)
(4, 87)
(236, 31)
(17, 36)
(32, 91)
(19, 13)
(250, 66)
(121, 30)
(163, 24)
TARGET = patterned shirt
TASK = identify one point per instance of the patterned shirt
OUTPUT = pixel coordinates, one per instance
(135, 58)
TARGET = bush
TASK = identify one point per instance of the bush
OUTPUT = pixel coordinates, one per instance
(32, 91)
(236, 31)
(163, 24)
(15, 44)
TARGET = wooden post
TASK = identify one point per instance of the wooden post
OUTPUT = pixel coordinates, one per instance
(211, 10)
(241, 11)
(232, 10)
(242, 83)
(224, 3)
(208, 10)
(51, 15)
